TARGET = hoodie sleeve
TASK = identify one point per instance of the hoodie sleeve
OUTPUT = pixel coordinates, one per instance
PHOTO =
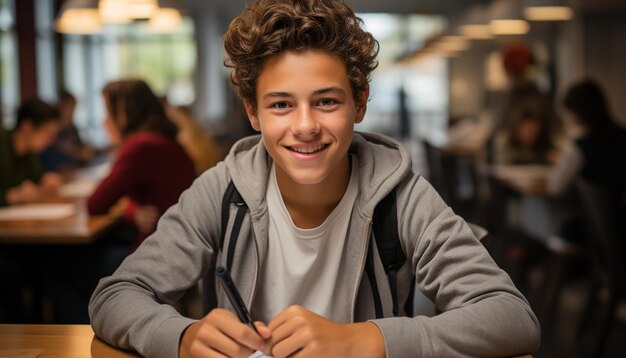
(483, 314)
(132, 309)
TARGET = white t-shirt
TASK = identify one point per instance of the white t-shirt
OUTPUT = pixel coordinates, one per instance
(302, 264)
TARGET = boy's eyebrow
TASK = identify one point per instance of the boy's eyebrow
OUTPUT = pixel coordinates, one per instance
(318, 92)
(333, 89)
(276, 94)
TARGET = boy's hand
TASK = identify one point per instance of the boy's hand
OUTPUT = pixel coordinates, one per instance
(221, 334)
(298, 332)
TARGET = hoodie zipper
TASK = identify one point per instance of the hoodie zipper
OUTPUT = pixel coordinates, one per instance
(363, 256)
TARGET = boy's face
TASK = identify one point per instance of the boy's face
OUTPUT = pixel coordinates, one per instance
(306, 114)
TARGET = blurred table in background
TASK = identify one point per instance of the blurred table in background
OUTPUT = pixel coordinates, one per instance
(53, 223)
(62, 219)
(54, 341)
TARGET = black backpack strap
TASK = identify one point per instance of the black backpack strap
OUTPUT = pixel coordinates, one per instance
(232, 196)
(388, 242)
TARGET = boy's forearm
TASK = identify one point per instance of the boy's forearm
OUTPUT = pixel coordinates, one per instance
(498, 326)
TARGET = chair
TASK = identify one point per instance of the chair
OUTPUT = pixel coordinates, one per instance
(454, 177)
(607, 269)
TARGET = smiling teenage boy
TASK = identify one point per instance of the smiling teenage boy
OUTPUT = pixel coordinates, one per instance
(311, 185)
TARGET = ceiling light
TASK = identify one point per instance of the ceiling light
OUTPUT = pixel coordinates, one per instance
(142, 9)
(125, 11)
(115, 12)
(452, 44)
(508, 27)
(79, 17)
(476, 32)
(165, 20)
(548, 13)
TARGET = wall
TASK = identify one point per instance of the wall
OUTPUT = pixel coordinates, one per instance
(467, 88)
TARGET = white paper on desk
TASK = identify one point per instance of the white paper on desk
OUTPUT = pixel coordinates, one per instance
(81, 188)
(37, 212)
(259, 354)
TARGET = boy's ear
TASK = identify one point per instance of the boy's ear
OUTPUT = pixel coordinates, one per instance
(361, 105)
(252, 116)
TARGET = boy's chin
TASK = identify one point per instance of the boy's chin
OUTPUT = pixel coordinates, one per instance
(306, 178)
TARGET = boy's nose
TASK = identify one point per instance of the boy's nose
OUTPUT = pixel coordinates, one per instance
(304, 123)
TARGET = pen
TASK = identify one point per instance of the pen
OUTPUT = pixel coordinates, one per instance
(235, 298)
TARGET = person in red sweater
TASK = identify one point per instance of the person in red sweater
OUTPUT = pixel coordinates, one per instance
(149, 172)
(151, 168)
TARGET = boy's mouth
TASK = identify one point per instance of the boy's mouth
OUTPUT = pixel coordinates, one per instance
(308, 150)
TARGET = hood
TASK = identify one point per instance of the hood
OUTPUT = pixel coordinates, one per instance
(381, 159)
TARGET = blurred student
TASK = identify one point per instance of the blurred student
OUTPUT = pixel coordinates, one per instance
(67, 149)
(597, 152)
(22, 177)
(198, 143)
(527, 140)
(520, 105)
(151, 169)
(148, 174)
(23, 180)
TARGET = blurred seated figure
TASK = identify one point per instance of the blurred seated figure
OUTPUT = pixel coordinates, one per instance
(149, 172)
(198, 143)
(526, 141)
(597, 153)
(22, 178)
(67, 150)
(522, 111)
(151, 169)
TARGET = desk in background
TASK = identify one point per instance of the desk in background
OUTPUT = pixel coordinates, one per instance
(77, 228)
(527, 202)
(47, 341)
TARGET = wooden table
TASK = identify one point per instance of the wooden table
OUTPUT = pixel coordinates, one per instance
(79, 228)
(45, 341)
(64, 341)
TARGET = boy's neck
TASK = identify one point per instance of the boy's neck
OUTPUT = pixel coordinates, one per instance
(310, 204)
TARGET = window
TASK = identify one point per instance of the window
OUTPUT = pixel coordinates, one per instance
(425, 83)
(165, 61)
(9, 72)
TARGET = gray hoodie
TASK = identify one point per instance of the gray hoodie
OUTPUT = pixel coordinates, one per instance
(484, 315)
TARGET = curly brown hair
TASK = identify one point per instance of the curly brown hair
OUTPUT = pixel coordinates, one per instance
(269, 27)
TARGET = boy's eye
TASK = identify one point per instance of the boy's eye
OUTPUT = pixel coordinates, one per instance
(280, 105)
(326, 102)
